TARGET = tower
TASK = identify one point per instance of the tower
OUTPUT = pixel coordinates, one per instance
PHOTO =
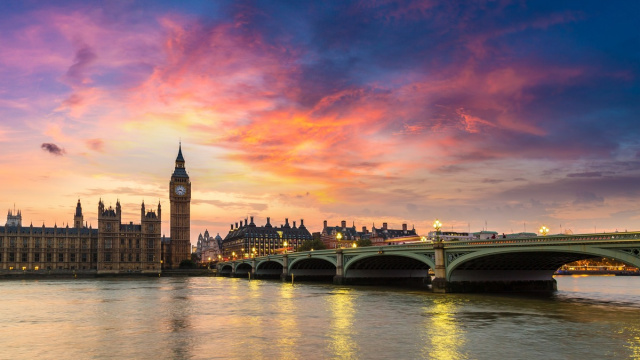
(180, 199)
(77, 218)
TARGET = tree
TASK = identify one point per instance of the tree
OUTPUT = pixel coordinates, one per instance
(363, 242)
(187, 264)
(314, 244)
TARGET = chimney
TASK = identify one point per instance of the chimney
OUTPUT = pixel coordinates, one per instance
(236, 225)
(245, 222)
(294, 224)
(231, 226)
(404, 227)
(325, 223)
(268, 221)
(384, 226)
(301, 223)
(252, 220)
(344, 224)
(364, 229)
(286, 222)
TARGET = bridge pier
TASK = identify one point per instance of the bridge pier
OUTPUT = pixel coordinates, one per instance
(285, 268)
(439, 283)
(339, 278)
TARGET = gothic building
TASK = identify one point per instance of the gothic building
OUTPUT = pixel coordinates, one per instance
(249, 240)
(209, 247)
(112, 247)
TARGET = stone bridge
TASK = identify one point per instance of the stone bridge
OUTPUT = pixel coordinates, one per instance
(523, 264)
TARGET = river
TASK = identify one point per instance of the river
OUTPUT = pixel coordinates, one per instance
(590, 317)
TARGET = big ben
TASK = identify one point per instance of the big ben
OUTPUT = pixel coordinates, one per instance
(180, 199)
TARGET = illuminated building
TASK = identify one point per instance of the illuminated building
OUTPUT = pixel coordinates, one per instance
(250, 240)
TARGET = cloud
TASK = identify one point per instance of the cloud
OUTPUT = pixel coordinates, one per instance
(585, 197)
(95, 144)
(52, 149)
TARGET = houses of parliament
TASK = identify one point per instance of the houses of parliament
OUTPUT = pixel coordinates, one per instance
(112, 247)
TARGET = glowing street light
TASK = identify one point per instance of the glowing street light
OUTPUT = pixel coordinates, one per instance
(339, 236)
(437, 225)
(354, 245)
(285, 246)
(544, 230)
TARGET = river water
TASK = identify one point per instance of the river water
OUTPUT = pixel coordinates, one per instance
(594, 317)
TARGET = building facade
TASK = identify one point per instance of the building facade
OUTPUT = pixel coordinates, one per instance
(248, 240)
(112, 247)
(209, 248)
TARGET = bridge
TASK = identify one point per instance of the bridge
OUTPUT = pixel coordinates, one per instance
(494, 265)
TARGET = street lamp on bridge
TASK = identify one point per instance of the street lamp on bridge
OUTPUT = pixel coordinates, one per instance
(544, 230)
(437, 225)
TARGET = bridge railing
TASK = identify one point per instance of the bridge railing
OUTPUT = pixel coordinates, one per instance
(613, 237)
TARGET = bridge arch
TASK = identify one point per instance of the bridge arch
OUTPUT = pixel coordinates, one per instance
(388, 269)
(388, 260)
(313, 268)
(526, 263)
(226, 269)
(269, 268)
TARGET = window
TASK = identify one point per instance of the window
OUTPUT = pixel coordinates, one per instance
(12, 242)
(130, 257)
(121, 243)
(107, 244)
(84, 257)
(84, 243)
(137, 257)
(25, 243)
(72, 244)
(130, 243)
(149, 244)
(24, 257)
(38, 243)
(49, 257)
(49, 243)
(61, 244)
(36, 257)
(12, 257)
(137, 243)
(60, 257)
(73, 257)
(107, 257)
(150, 257)
(121, 257)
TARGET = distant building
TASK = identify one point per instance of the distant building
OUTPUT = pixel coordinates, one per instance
(385, 236)
(450, 236)
(209, 247)
(335, 237)
(248, 240)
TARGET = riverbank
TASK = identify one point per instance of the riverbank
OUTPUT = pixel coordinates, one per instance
(87, 274)
(598, 272)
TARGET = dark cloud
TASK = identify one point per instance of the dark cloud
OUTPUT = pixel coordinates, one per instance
(585, 197)
(53, 149)
(84, 57)
(585, 174)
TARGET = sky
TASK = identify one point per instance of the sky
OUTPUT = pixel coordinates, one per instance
(497, 115)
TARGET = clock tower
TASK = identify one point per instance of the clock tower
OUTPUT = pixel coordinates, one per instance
(180, 199)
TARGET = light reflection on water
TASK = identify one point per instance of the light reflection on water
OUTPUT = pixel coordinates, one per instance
(203, 318)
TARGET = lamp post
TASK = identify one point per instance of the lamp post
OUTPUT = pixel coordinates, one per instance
(339, 238)
(544, 230)
(285, 246)
(437, 225)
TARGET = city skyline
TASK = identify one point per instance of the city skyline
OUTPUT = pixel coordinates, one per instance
(492, 114)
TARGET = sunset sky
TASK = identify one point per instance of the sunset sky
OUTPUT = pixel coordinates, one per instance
(512, 114)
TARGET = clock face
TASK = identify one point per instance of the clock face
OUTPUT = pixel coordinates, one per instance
(180, 190)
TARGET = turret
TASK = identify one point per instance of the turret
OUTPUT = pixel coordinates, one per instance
(77, 218)
(142, 213)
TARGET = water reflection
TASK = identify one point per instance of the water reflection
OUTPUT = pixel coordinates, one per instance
(444, 339)
(288, 332)
(341, 331)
